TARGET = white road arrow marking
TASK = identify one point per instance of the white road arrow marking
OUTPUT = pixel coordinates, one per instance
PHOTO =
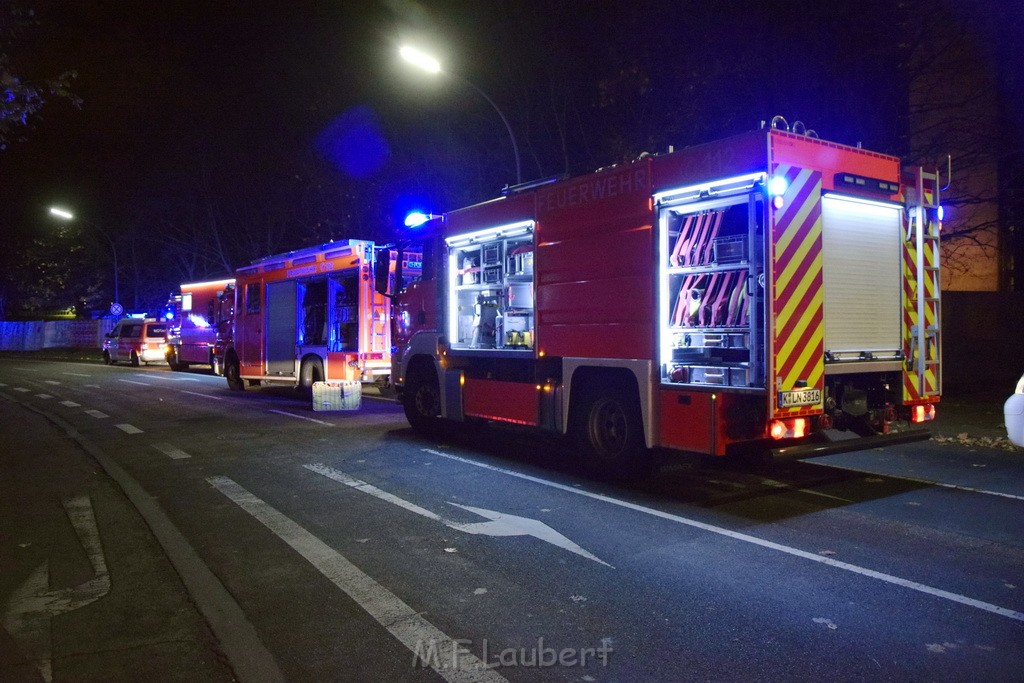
(501, 524)
(30, 607)
(447, 656)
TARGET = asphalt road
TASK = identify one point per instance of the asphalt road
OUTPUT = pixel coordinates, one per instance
(243, 534)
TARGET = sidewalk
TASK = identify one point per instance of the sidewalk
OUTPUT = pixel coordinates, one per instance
(86, 592)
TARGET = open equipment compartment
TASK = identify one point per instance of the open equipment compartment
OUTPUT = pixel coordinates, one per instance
(712, 294)
(491, 289)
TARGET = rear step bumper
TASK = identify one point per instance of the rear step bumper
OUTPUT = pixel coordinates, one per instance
(810, 450)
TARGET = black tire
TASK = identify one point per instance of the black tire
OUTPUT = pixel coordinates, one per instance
(422, 401)
(172, 361)
(106, 358)
(232, 373)
(312, 370)
(609, 430)
(135, 360)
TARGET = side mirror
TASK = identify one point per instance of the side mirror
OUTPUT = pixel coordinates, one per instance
(382, 271)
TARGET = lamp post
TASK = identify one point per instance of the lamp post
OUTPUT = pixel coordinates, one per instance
(431, 65)
(66, 215)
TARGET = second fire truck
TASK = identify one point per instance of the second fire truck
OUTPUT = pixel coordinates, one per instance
(311, 315)
(760, 294)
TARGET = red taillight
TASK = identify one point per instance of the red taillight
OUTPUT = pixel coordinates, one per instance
(922, 413)
(789, 429)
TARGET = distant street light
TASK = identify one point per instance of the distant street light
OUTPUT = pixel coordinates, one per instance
(431, 65)
(66, 215)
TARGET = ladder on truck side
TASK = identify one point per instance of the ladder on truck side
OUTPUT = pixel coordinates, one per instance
(926, 352)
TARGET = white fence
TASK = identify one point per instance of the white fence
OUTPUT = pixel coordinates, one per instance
(37, 334)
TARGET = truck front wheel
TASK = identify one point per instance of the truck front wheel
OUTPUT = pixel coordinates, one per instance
(422, 401)
(232, 373)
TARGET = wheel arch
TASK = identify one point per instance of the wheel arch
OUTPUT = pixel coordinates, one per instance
(583, 375)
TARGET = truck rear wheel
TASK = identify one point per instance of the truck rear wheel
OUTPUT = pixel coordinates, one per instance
(232, 373)
(609, 429)
(135, 359)
(422, 401)
(173, 362)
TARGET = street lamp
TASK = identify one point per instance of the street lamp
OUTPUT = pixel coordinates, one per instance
(430, 65)
(66, 215)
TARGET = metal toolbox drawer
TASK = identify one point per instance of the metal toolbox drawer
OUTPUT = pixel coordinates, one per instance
(724, 375)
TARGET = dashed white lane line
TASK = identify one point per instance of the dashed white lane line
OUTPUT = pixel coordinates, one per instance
(43, 396)
(171, 451)
(50, 381)
(453, 661)
(301, 417)
(22, 390)
(129, 429)
(196, 393)
(75, 374)
(131, 381)
(796, 552)
(97, 414)
(92, 386)
(2, 384)
(70, 404)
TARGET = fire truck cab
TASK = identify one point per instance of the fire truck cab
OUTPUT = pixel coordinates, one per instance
(759, 294)
(310, 315)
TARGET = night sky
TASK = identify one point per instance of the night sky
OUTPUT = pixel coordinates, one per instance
(296, 121)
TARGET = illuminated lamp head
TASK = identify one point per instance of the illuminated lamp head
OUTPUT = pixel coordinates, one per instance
(941, 213)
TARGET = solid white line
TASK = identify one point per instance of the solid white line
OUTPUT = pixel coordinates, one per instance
(196, 393)
(301, 417)
(930, 482)
(360, 485)
(170, 379)
(131, 381)
(70, 404)
(401, 620)
(822, 559)
(129, 429)
(171, 452)
(97, 414)
(75, 374)
(43, 396)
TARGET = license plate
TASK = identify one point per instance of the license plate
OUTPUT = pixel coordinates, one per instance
(801, 397)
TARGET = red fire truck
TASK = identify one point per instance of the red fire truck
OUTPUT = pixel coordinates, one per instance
(761, 294)
(201, 324)
(311, 315)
